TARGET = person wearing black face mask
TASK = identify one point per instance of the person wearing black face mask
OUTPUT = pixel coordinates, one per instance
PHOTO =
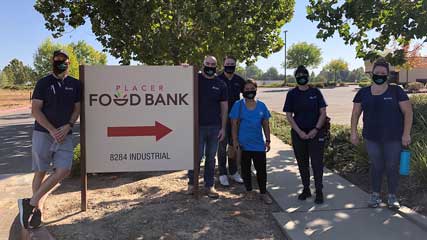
(387, 123)
(55, 107)
(305, 110)
(234, 86)
(249, 119)
(213, 109)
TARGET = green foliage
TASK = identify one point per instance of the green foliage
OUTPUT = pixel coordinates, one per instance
(305, 54)
(415, 86)
(272, 85)
(173, 32)
(317, 84)
(270, 74)
(419, 139)
(17, 74)
(88, 55)
(75, 169)
(254, 72)
(240, 70)
(79, 54)
(280, 127)
(401, 20)
(336, 66)
(365, 84)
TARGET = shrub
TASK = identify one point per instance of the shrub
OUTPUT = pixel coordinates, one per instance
(75, 169)
(419, 139)
(414, 86)
(292, 85)
(364, 84)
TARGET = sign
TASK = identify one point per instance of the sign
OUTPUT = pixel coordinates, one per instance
(138, 118)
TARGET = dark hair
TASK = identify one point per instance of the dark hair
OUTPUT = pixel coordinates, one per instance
(250, 81)
(301, 69)
(230, 57)
(381, 62)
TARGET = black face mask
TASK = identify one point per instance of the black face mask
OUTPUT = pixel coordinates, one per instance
(59, 67)
(302, 80)
(209, 71)
(379, 79)
(229, 69)
(249, 94)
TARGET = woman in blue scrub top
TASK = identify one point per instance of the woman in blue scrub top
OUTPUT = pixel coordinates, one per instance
(252, 116)
(387, 123)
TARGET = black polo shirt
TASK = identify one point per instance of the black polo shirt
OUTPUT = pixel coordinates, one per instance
(59, 97)
(211, 93)
(234, 88)
(305, 105)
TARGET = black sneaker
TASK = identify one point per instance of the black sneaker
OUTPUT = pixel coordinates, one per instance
(25, 211)
(306, 193)
(319, 198)
(36, 219)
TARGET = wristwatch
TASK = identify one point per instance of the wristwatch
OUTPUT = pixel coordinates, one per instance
(318, 129)
(267, 141)
(71, 124)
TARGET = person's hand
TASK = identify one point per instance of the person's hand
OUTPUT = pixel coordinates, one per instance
(312, 134)
(221, 135)
(303, 135)
(54, 133)
(354, 139)
(267, 146)
(62, 132)
(406, 140)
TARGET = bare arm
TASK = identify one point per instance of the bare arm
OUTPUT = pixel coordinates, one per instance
(76, 113)
(224, 114)
(234, 132)
(36, 112)
(266, 128)
(322, 118)
(355, 115)
(408, 115)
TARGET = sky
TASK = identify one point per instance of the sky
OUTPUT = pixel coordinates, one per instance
(22, 31)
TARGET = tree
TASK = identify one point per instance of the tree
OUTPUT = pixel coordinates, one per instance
(270, 74)
(252, 71)
(240, 70)
(305, 54)
(88, 55)
(400, 20)
(80, 53)
(16, 73)
(173, 32)
(335, 66)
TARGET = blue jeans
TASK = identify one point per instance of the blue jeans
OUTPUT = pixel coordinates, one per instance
(208, 145)
(222, 154)
(384, 157)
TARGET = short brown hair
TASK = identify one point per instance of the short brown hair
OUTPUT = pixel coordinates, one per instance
(230, 57)
(251, 81)
(381, 62)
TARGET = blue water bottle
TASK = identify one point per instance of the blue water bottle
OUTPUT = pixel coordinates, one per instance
(405, 159)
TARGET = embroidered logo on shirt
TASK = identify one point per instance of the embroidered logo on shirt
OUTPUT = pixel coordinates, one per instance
(69, 88)
(388, 98)
(215, 88)
(313, 97)
(321, 139)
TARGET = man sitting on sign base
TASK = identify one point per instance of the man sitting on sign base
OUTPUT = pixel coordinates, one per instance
(56, 107)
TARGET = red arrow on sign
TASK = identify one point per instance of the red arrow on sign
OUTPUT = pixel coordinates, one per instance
(158, 130)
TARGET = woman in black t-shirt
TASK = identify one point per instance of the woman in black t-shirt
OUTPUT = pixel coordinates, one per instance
(305, 109)
(387, 122)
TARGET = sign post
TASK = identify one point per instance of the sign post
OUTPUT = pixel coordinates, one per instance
(138, 118)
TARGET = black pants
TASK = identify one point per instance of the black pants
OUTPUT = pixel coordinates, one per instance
(309, 149)
(260, 162)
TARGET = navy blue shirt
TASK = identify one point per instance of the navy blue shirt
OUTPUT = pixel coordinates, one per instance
(211, 93)
(382, 117)
(58, 99)
(234, 88)
(305, 105)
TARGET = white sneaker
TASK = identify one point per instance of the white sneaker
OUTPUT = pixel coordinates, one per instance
(223, 179)
(237, 178)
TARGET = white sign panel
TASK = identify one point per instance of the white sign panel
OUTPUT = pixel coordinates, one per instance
(139, 118)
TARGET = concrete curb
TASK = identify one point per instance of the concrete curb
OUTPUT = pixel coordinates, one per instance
(416, 218)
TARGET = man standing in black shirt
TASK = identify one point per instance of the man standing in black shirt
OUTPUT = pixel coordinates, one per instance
(56, 107)
(235, 85)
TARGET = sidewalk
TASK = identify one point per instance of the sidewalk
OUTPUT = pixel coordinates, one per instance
(344, 215)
